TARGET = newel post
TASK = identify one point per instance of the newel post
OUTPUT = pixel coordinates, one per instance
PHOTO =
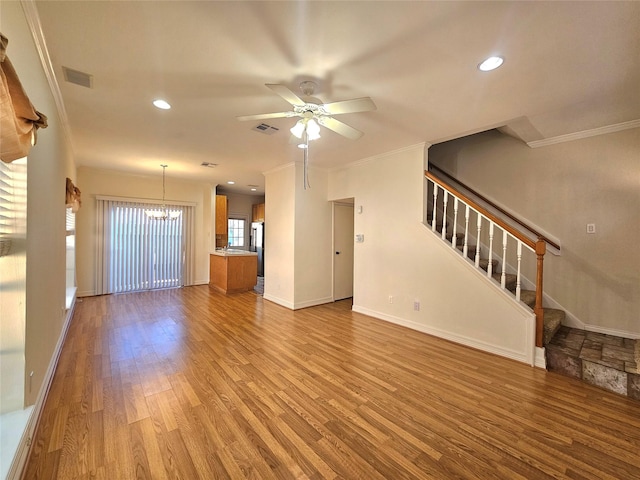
(541, 249)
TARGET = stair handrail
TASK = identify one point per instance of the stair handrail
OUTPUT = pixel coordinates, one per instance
(497, 207)
(539, 246)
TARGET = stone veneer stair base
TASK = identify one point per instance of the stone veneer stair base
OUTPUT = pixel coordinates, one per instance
(605, 361)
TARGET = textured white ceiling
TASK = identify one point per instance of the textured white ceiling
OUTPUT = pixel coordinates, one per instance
(569, 66)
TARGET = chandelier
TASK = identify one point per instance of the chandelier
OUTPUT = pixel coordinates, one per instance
(162, 213)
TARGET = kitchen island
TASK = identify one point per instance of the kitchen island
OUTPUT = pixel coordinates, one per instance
(233, 271)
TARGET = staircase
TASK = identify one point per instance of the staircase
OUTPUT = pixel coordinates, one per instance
(606, 361)
(553, 318)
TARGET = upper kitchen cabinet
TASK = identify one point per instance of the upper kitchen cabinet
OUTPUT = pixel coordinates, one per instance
(258, 213)
(221, 221)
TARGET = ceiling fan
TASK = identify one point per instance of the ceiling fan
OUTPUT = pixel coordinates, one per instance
(313, 113)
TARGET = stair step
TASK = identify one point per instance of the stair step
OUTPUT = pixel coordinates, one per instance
(553, 319)
(528, 297)
(510, 280)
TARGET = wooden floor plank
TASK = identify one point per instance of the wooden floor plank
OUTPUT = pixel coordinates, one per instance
(189, 383)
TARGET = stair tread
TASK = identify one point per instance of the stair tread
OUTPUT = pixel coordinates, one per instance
(552, 322)
(528, 297)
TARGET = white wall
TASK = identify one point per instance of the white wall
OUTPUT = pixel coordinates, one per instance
(298, 243)
(401, 258)
(49, 163)
(94, 182)
(279, 240)
(561, 188)
(313, 240)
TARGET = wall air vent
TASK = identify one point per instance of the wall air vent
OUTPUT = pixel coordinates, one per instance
(79, 78)
(266, 129)
(209, 164)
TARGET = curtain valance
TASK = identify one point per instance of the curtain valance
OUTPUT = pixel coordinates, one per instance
(19, 120)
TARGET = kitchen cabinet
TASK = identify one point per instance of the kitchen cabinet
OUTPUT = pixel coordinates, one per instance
(221, 221)
(258, 213)
(233, 271)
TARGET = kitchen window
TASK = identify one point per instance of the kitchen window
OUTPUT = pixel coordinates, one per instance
(236, 232)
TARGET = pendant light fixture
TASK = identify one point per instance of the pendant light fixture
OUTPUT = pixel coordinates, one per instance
(163, 213)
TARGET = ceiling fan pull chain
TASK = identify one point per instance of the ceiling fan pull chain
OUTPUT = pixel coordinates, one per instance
(305, 172)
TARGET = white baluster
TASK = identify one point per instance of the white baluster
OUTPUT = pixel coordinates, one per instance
(435, 203)
(503, 277)
(478, 227)
(518, 285)
(444, 215)
(465, 248)
(455, 223)
(490, 264)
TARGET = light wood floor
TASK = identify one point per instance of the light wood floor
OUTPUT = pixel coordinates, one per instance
(190, 384)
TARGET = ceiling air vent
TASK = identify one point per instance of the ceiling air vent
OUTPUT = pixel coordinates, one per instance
(209, 164)
(79, 78)
(266, 129)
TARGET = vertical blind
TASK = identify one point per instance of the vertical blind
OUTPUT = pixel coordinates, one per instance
(136, 252)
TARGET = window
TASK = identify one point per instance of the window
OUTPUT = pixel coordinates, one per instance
(236, 232)
(71, 255)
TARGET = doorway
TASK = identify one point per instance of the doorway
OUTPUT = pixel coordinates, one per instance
(343, 249)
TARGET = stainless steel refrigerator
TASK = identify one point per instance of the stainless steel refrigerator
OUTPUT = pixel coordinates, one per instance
(257, 244)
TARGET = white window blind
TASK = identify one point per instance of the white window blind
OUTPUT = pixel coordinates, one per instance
(136, 252)
(13, 205)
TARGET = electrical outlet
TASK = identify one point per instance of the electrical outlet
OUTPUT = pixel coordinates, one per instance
(416, 306)
(591, 228)
(390, 298)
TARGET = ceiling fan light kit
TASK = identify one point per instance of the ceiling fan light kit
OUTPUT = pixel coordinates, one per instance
(312, 115)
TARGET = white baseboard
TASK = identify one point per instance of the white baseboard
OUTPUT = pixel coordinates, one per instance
(279, 301)
(312, 303)
(611, 331)
(541, 359)
(446, 335)
(298, 305)
(22, 453)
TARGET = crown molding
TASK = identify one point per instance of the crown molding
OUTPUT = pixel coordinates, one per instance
(35, 26)
(585, 134)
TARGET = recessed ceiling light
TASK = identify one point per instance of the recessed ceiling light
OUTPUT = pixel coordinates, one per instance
(231, 182)
(490, 63)
(254, 189)
(161, 104)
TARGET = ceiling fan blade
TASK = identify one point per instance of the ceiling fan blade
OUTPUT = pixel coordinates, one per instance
(287, 94)
(364, 104)
(339, 127)
(264, 116)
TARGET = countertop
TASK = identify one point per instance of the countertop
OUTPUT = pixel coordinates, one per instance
(231, 252)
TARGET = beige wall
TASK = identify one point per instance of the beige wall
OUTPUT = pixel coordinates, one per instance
(298, 243)
(401, 258)
(94, 182)
(561, 188)
(313, 240)
(280, 235)
(49, 163)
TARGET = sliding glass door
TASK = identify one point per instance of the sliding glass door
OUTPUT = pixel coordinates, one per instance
(139, 252)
